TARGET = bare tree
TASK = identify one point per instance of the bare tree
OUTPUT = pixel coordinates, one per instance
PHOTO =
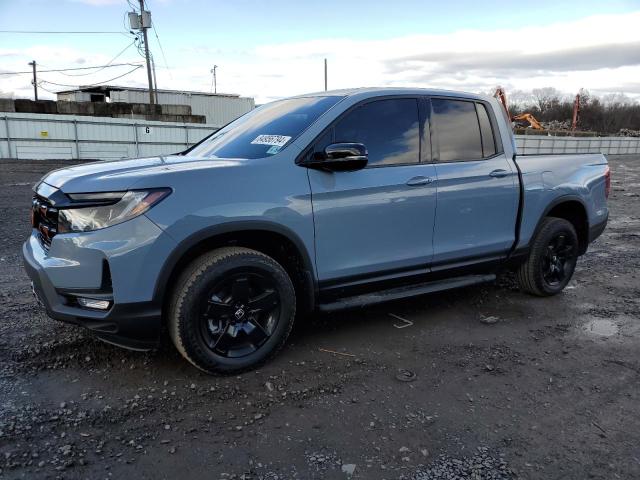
(546, 98)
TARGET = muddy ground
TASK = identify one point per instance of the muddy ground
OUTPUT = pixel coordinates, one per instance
(548, 391)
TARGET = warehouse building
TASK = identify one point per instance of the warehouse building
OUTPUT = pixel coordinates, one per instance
(218, 108)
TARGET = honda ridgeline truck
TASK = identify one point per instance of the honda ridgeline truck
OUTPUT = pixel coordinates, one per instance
(318, 202)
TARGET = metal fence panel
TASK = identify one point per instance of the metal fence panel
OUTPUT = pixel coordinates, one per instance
(39, 136)
(537, 144)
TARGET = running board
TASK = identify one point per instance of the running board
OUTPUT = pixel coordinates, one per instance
(404, 292)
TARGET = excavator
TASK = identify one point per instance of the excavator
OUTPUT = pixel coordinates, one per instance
(528, 120)
(522, 120)
(575, 118)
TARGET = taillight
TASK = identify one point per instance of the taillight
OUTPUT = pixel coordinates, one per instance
(607, 182)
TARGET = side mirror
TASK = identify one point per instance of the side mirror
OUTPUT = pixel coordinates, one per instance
(339, 157)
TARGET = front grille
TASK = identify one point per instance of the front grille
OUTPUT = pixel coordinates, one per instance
(44, 218)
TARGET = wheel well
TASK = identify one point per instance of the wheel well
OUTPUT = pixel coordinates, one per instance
(277, 246)
(575, 213)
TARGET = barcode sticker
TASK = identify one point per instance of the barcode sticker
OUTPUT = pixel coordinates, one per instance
(275, 140)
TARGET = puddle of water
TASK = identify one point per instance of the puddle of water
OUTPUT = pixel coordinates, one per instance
(602, 327)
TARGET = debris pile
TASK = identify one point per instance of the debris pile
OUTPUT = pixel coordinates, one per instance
(627, 132)
(557, 125)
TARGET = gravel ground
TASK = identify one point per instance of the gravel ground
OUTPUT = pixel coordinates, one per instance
(504, 385)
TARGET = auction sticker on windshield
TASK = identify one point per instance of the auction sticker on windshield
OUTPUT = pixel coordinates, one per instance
(275, 140)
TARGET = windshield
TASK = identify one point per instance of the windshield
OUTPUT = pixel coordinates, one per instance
(266, 130)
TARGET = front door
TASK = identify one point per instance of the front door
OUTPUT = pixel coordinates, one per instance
(376, 222)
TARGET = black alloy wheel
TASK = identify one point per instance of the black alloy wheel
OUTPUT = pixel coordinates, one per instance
(552, 258)
(231, 309)
(560, 254)
(240, 314)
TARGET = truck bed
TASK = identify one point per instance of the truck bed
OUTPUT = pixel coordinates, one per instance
(547, 179)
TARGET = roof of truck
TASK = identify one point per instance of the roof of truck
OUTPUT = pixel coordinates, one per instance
(381, 91)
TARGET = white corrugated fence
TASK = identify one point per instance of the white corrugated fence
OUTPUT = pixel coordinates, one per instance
(39, 136)
(533, 144)
(33, 136)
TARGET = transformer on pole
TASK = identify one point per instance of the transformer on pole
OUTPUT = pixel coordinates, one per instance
(143, 22)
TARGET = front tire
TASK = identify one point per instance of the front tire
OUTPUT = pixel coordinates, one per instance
(552, 258)
(231, 310)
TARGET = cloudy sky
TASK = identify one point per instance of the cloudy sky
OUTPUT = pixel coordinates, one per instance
(273, 49)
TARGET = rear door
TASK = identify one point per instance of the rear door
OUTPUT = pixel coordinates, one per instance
(477, 197)
(376, 222)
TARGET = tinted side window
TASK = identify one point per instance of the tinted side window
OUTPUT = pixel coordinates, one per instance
(488, 140)
(457, 128)
(388, 128)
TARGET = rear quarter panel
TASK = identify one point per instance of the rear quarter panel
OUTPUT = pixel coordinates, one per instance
(551, 179)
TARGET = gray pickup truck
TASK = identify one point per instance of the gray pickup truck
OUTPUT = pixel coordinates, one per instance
(318, 202)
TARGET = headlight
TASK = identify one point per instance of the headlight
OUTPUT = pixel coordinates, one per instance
(106, 209)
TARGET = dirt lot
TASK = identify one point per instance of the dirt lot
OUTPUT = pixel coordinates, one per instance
(548, 391)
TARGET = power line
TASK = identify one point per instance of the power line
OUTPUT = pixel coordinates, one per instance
(107, 65)
(85, 32)
(71, 69)
(93, 84)
(155, 32)
(46, 89)
(164, 58)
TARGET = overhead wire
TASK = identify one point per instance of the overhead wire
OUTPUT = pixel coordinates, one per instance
(46, 89)
(92, 84)
(48, 32)
(164, 58)
(107, 65)
(138, 42)
(69, 69)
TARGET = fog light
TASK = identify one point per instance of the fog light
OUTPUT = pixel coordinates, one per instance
(93, 303)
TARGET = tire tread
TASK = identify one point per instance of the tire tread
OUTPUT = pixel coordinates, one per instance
(187, 279)
(528, 274)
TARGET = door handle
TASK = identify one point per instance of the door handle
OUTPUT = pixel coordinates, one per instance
(418, 181)
(499, 173)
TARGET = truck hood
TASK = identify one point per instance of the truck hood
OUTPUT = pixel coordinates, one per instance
(120, 175)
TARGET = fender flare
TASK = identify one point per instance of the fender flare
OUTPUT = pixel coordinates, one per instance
(569, 197)
(185, 245)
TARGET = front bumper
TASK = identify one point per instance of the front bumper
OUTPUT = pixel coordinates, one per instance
(74, 266)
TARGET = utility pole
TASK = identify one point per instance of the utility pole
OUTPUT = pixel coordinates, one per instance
(144, 25)
(155, 80)
(325, 74)
(33, 82)
(214, 80)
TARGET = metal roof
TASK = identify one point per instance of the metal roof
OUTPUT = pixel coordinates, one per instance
(107, 88)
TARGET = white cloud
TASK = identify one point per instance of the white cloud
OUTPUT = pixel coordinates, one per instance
(599, 53)
(100, 3)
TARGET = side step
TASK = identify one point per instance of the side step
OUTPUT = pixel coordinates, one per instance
(404, 292)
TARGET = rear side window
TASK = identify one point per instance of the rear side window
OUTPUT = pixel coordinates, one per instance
(488, 140)
(390, 129)
(457, 129)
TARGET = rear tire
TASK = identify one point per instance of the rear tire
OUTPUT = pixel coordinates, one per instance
(552, 258)
(232, 309)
